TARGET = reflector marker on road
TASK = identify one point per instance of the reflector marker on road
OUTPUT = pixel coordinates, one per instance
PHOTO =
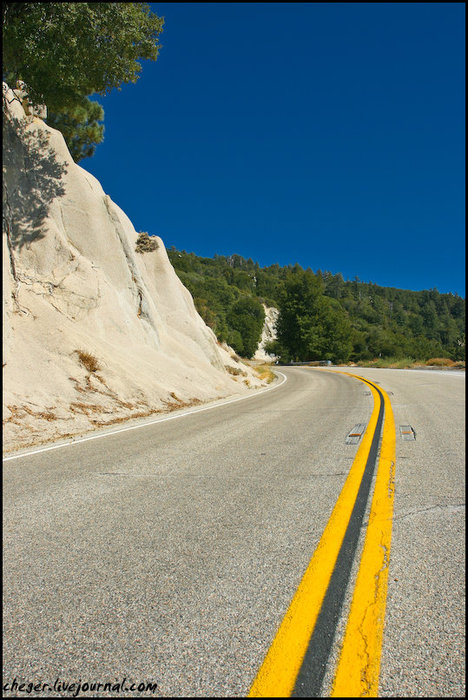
(407, 432)
(356, 433)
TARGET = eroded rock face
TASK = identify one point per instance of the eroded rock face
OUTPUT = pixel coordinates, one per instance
(75, 288)
(268, 334)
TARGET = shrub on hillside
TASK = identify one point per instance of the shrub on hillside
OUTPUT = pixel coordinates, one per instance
(440, 362)
(88, 361)
(145, 244)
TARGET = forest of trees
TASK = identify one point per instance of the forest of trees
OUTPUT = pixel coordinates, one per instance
(322, 315)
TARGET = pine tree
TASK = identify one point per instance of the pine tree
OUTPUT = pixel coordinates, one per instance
(65, 52)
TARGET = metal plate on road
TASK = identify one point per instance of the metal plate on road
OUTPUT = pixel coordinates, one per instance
(407, 432)
(355, 434)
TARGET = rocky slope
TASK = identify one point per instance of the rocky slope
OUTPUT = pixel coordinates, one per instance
(95, 333)
(268, 334)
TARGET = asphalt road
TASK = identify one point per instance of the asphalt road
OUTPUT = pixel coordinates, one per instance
(170, 553)
(424, 640)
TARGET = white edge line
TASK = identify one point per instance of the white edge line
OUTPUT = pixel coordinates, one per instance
(143, 425)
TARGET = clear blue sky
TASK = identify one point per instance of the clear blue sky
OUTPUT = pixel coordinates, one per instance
(328, 134)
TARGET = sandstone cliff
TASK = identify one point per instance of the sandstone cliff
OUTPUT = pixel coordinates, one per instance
(94, 332)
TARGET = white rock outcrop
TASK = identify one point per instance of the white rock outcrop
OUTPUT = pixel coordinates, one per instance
(94, 332)
(268, 334)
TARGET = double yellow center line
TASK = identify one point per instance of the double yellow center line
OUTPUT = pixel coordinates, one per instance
(295, 662)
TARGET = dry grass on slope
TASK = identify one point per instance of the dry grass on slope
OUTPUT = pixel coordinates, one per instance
(265, 373)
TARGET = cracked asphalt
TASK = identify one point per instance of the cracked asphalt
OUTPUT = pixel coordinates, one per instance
(170, 553)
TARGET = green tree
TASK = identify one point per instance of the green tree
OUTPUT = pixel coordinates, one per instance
(381, 342)
(66, 51)
(300, 301)
(416, 324)
(429, 315)
(338, 340)
(234, 340)
(80, 127)
(335, 285)
(247, 318)
(311, 326)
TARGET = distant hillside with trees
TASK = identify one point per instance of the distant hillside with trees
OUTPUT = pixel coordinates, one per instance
(322, 315)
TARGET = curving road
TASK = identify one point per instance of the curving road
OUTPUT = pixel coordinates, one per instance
(170, 553)
(424, 641)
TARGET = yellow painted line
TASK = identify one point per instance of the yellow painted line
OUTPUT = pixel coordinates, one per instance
(277, 675)
(358, 669)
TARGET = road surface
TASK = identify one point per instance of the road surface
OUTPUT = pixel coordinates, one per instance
(170, 553)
